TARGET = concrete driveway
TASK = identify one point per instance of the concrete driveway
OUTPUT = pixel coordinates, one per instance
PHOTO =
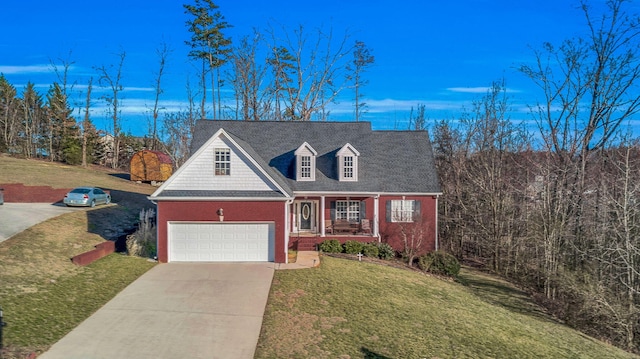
(177, 310)
(16, 217)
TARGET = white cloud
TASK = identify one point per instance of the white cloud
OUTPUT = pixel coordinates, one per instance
(479, 89)
(29, 69)
(469, 89)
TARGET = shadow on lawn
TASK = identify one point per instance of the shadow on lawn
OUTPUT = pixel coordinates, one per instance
(113, 223)
(368, 354)
(497, 292)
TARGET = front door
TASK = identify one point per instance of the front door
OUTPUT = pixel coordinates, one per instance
(306, 216)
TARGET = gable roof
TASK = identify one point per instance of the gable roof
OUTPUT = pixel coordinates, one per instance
(176, 188)
(389, 161)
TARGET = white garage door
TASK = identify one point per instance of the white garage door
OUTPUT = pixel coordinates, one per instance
(221, 242)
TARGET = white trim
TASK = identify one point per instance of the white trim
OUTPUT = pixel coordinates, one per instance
(348, 151)
(220, 132)
(361, 194)
(313, 215)
(272, 235)
(305, 150)
(221, 199)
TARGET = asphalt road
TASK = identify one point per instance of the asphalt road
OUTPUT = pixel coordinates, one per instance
(16, 217)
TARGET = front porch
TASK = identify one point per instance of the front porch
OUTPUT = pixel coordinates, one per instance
(313, 219)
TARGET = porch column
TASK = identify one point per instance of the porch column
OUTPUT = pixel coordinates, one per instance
(321, 224)
(376, 215)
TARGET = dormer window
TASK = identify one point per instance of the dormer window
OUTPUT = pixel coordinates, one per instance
(305, 163)
(348, 163)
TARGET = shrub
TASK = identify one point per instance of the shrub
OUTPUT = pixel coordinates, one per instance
(385, 251)
(353, 247)
(142, 243)
(439, 262)
(370, 250)
(331, 246)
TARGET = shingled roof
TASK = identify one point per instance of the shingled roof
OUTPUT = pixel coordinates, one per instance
(389, 162)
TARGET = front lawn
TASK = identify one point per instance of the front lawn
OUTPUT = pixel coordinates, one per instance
(43, 295)
(350, 309)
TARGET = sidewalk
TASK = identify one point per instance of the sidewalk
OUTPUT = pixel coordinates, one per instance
(304, 260)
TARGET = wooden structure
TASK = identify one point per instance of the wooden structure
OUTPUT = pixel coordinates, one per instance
(150, 166)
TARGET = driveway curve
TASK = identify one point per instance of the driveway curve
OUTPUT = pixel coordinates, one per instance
(177, 310)
(16, 217)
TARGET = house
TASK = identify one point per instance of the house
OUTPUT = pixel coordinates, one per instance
(251, 190)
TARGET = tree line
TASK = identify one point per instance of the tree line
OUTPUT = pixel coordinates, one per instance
(278, 74)
(552, 205)
(555, 207)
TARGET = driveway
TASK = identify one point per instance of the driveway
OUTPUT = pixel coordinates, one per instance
(16, 217)
(177, 310)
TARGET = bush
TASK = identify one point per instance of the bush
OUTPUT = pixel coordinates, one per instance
(370, 250)
(142, 243)
(331, 246)
(353, 247)
(439, 262)
(385, 251)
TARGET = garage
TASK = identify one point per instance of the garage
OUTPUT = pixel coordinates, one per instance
(221, 242)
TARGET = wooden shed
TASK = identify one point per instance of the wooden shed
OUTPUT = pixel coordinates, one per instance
(150, 166)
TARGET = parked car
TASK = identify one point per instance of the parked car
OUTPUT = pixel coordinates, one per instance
(86, 196)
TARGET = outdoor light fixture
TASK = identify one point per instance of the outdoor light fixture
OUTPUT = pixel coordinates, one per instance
(220, 213)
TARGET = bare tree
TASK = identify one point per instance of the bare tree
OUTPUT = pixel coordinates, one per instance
(248, 80)
(313, 69)
(162, 53)
(587, 93)
(111, 78)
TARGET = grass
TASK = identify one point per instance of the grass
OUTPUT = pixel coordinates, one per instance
(43, 295)
(343, 309)
(58, 175)
(351, 309)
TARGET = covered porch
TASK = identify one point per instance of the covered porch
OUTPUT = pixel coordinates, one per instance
(314, 218)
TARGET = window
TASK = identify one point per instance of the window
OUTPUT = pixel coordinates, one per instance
(347, 161)
(305, 166)
(222, 162)
(348, 166)
(402, 210)
(348, 211)
(305, 163)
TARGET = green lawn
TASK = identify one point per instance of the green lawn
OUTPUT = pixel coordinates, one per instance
(351, 309)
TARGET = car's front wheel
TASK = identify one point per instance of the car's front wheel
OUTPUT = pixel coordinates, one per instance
(108, 200)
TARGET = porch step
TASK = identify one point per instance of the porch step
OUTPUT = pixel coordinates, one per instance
(306, 244)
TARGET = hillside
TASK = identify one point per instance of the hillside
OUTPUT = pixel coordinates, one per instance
(109, 222)
(351, 309)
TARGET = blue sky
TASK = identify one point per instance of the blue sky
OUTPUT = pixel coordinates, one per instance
(441, 54)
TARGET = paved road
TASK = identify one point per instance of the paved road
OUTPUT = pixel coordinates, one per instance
(177, 310)
(16, 217)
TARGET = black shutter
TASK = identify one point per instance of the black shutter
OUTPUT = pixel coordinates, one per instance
(363, 210)
(388, 214)
(332, 206)
(416, 210)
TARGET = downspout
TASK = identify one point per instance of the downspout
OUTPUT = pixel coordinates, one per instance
(437, 244)
(287, 203)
